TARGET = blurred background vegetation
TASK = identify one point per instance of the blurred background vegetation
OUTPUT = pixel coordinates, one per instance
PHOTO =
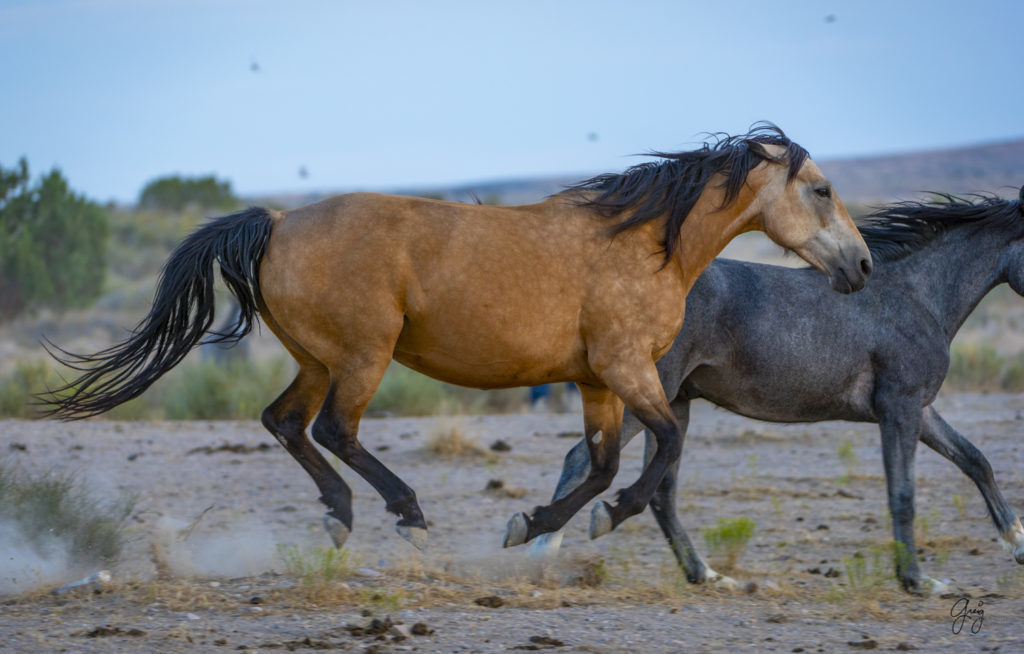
(81, 275)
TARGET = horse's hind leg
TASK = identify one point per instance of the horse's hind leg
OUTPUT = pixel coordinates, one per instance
(336, 428)
(937, 434)
(287, 418)
(602, 422)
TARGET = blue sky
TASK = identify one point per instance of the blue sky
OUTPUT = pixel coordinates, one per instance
(378, 95)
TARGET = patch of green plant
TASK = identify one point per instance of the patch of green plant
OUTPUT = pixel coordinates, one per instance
(848, 458)
(958, 504)
(17, 388)
(382, 601)
(874, 570)
(974, 367)
(728, 540)
(316, 566)
(56, 506)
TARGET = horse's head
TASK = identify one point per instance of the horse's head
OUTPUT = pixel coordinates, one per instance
(801, 211)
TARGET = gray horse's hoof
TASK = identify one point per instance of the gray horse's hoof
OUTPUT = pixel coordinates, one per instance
(1018, 554)
(415, 535)
(336, 529)
(600, 520)
(516, 530)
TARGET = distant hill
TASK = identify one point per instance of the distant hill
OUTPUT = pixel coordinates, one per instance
(996, 168)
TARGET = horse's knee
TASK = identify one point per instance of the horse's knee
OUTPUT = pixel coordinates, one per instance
(331, 433)
(286, 429)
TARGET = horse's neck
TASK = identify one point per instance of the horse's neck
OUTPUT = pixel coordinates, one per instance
(951, 275)
(706, 232)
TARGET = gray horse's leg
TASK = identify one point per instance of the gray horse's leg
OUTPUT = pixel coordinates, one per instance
(575, 469)
(937, 434)
(900, 424)
(663, 505)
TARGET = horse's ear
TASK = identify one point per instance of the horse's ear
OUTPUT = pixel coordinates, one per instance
(759, 150)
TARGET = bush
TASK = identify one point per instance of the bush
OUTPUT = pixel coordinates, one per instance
(175, 193)
(53, 244)
(729, 539)
(56, 506)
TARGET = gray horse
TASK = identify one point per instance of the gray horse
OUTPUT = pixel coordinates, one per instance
(876, 356)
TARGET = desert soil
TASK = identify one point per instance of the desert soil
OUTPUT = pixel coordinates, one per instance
(203, 571)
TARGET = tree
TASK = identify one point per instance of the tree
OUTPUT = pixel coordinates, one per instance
(175, 193)
(53, 243)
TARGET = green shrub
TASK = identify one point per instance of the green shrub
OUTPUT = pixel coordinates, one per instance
(17, 388)
(316, 566)
(55, 505)
(53, 244)
(729, 539)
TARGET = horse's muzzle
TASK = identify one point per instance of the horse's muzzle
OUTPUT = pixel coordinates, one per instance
(848, 278)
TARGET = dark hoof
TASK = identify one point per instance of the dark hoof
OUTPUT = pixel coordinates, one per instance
(516, 531)
(600, 520)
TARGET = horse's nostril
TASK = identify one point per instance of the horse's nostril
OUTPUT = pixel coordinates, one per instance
(865, 266)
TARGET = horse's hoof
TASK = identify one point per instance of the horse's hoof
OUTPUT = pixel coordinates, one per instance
(934, 587)
(415, 535)
(600, 520)
(717, 580)
(516, 530)
(545, 545)
(336, 529)
(1018, 553)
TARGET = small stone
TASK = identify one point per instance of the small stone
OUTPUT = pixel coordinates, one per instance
(421, 629)
(366, 572)
(399, 632)
(500, 446)
(490, 601)
(191, 616)
(905, 647)
(255, 600)
(867, 643)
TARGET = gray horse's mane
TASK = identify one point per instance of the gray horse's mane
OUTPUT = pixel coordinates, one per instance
(897, 230)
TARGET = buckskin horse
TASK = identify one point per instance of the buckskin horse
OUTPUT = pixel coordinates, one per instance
(878, 356)
(585, 286)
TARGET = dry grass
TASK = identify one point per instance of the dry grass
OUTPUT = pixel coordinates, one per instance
(449, 441)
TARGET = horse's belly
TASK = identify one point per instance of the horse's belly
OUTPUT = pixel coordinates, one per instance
(489, 358)
(785, 398)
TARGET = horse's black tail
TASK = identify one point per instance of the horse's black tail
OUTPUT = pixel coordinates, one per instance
(181, 315)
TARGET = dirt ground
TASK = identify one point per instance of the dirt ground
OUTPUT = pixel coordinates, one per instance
(223, 586)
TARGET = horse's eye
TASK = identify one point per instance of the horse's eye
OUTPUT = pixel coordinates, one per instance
(824, 191)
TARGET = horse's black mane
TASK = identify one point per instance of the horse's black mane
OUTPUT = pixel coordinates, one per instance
(671, 187)
(899, 229)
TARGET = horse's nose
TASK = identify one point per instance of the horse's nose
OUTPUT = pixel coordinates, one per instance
(866, 267)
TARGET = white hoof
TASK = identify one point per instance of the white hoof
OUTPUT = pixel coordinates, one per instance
(546, 545)
(516, 530)
(600, 520)
(712, 578)
(415, 535)
(337, 530)
(935, 587)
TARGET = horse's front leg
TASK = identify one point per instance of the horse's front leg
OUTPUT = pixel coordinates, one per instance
(663, 505)
(575, 469)
(635, 380)
(900, 425)
(937, 434)
(602, 422)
